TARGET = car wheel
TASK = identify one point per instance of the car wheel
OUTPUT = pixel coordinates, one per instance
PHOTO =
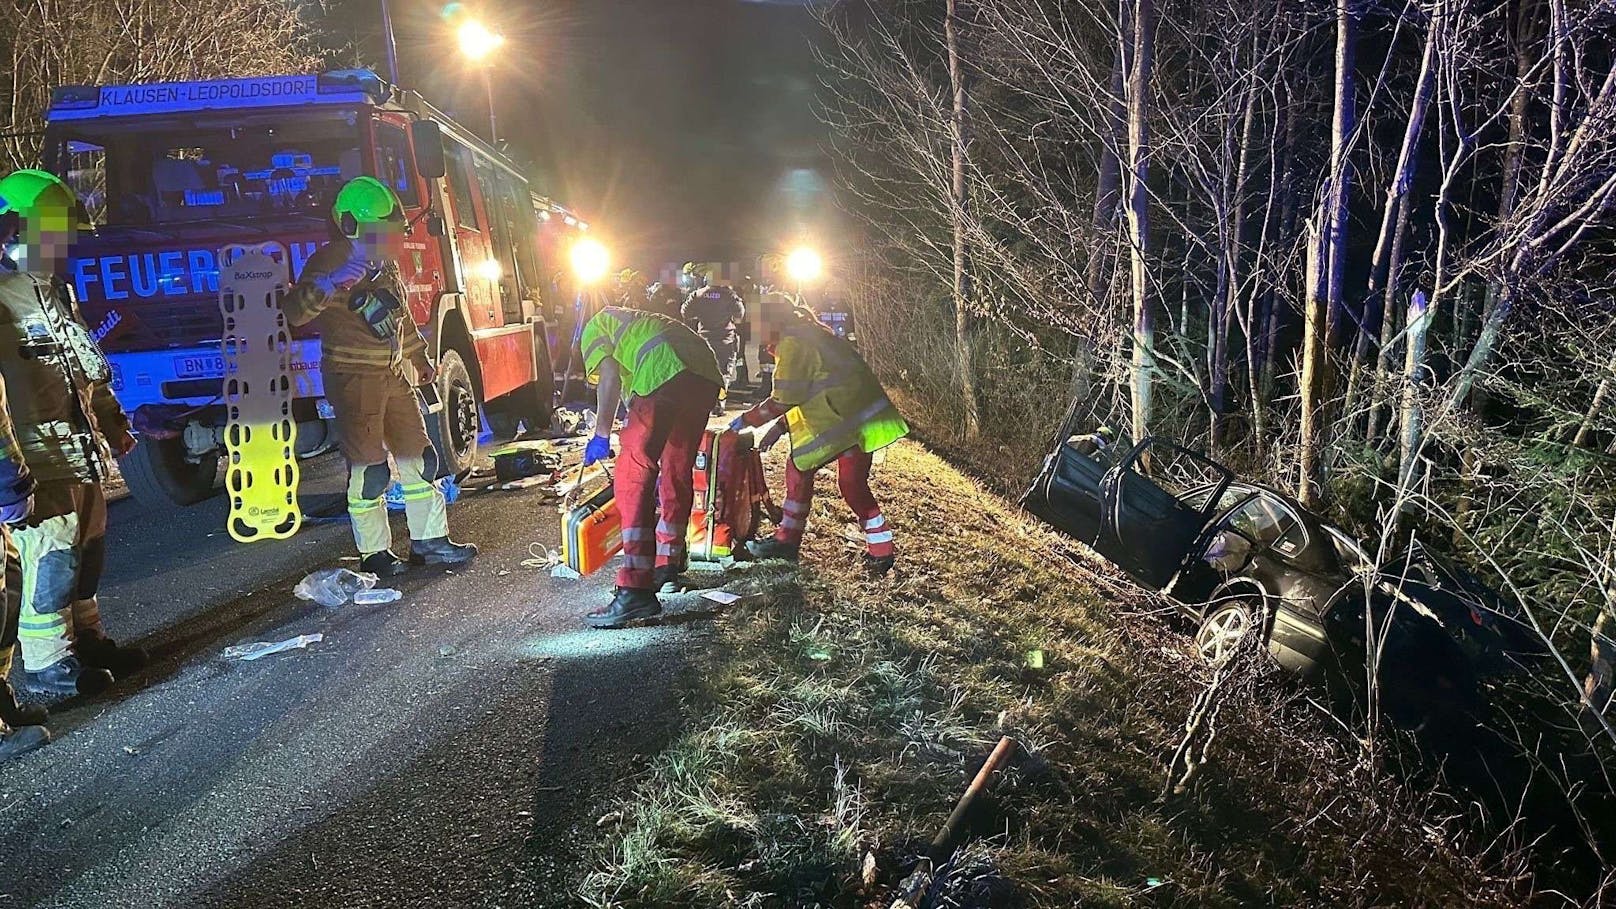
(1222, 629)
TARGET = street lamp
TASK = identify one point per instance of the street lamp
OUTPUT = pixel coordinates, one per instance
(804, 266)
(478, 44)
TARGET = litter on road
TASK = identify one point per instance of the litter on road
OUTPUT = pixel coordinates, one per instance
(246, 653)
(333, 586)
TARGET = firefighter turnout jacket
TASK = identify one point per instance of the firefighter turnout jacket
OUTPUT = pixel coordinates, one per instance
(59, 386)
(366, 328)
(650, 348)
(16, 484)
(833, 401)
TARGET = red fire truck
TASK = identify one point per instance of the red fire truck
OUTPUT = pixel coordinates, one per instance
(172, 173)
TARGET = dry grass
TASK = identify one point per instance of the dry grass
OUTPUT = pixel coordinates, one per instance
(840, 718)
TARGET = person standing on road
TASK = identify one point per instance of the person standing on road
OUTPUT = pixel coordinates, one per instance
(713, 311)
(372, 357)
(671, 380)
(69, 427)
(836, 411)
(21, 730)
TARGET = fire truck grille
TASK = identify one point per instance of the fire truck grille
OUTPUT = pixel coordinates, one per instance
(182, 322)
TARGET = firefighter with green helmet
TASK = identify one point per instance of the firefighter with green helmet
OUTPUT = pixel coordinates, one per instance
(372, 358)
(68, 429)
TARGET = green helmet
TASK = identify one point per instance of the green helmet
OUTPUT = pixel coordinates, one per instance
(364, 200)
(41, 199)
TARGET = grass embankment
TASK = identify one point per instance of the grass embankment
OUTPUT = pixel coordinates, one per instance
(839, 718)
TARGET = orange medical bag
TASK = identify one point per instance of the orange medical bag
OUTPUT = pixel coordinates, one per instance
(591, 532)
(731, 496)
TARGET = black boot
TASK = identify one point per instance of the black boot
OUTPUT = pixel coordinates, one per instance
(98, 651)
(772, 549)
(627, 606)
(876, 566)
(15, 715)
(669, 580)
(440, 551)
(21, 740)
(65, 678)
(383, 564)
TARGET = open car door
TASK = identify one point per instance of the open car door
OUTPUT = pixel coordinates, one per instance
(1066, 493)
(1145, 529)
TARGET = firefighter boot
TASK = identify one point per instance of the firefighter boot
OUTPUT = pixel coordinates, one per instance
(670, 579)
(98, 651)
(876, 566)
(628, 605)
(15, 715)
(65, 678)
(19, 740)
(440, 551)
(383, 564)
(772, 549)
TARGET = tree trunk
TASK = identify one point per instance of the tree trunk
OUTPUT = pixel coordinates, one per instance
(1218, 384)
(1585, 430)
(1327, 262)
(962, 309)
(1143, 362)
(1419, 324)
(1388, 248)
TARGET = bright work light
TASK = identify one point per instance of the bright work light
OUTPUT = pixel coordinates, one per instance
(804, 265)
(590, 260)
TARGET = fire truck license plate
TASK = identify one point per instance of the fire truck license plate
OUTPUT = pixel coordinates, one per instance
(199, 366)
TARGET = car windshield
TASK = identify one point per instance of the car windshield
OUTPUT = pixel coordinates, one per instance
(153, 171)
(1269, 522)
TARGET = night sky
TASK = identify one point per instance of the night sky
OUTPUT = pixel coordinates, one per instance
(683, 128)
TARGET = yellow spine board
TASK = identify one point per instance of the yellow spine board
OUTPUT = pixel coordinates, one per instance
(260, 437)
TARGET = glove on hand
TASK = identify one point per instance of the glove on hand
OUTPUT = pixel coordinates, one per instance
(17, 512)
(737, 424)
(599, 449)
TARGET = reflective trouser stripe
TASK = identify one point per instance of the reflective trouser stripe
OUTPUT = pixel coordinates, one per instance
(638, 562)
(58, 564)
(425, 510)
(635, 534)
(368, 515)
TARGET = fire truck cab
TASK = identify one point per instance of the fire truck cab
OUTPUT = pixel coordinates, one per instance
(173, 173)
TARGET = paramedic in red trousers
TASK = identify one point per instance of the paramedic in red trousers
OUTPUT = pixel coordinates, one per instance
(670, 379)
(835, 411)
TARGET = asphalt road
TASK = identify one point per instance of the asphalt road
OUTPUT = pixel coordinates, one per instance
(442, 750)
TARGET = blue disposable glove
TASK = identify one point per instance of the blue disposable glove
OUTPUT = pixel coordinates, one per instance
(598, 449)
(737, 424)
(17, 512)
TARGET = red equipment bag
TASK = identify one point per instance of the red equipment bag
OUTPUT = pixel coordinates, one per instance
(731, 496)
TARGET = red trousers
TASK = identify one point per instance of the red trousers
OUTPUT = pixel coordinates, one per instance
(853, 479)
(655, 470)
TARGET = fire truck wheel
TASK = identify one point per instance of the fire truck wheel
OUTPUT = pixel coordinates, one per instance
(454, 432)
(159, 476)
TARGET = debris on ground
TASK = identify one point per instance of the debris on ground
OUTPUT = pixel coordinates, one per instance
(721, 597)
(246, 653)
(333, 586)
(524, 460)
(377, 595)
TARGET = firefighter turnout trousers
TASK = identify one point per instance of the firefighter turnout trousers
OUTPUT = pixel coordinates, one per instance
(655, 472)
(59, 552)
(377, 413)
(853, 479)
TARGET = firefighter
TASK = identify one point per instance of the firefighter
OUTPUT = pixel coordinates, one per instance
(713, 311)
(671, 380)
(69, 427)
(21, 729)
(836, 411)
(372, 357)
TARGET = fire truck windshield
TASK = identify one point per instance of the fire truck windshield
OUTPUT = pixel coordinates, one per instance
(157, 171)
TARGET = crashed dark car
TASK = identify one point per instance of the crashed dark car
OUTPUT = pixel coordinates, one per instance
(1240, 558)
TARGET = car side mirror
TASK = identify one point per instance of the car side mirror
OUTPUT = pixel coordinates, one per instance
(434, 225)
(427, 138)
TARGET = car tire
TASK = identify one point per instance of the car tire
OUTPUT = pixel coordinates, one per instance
(159, 477)
(1224, 627)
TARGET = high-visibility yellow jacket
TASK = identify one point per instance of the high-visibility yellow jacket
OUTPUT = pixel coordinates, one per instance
(59, 386)
(347, 345)
(649, 347)
(834, 401)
